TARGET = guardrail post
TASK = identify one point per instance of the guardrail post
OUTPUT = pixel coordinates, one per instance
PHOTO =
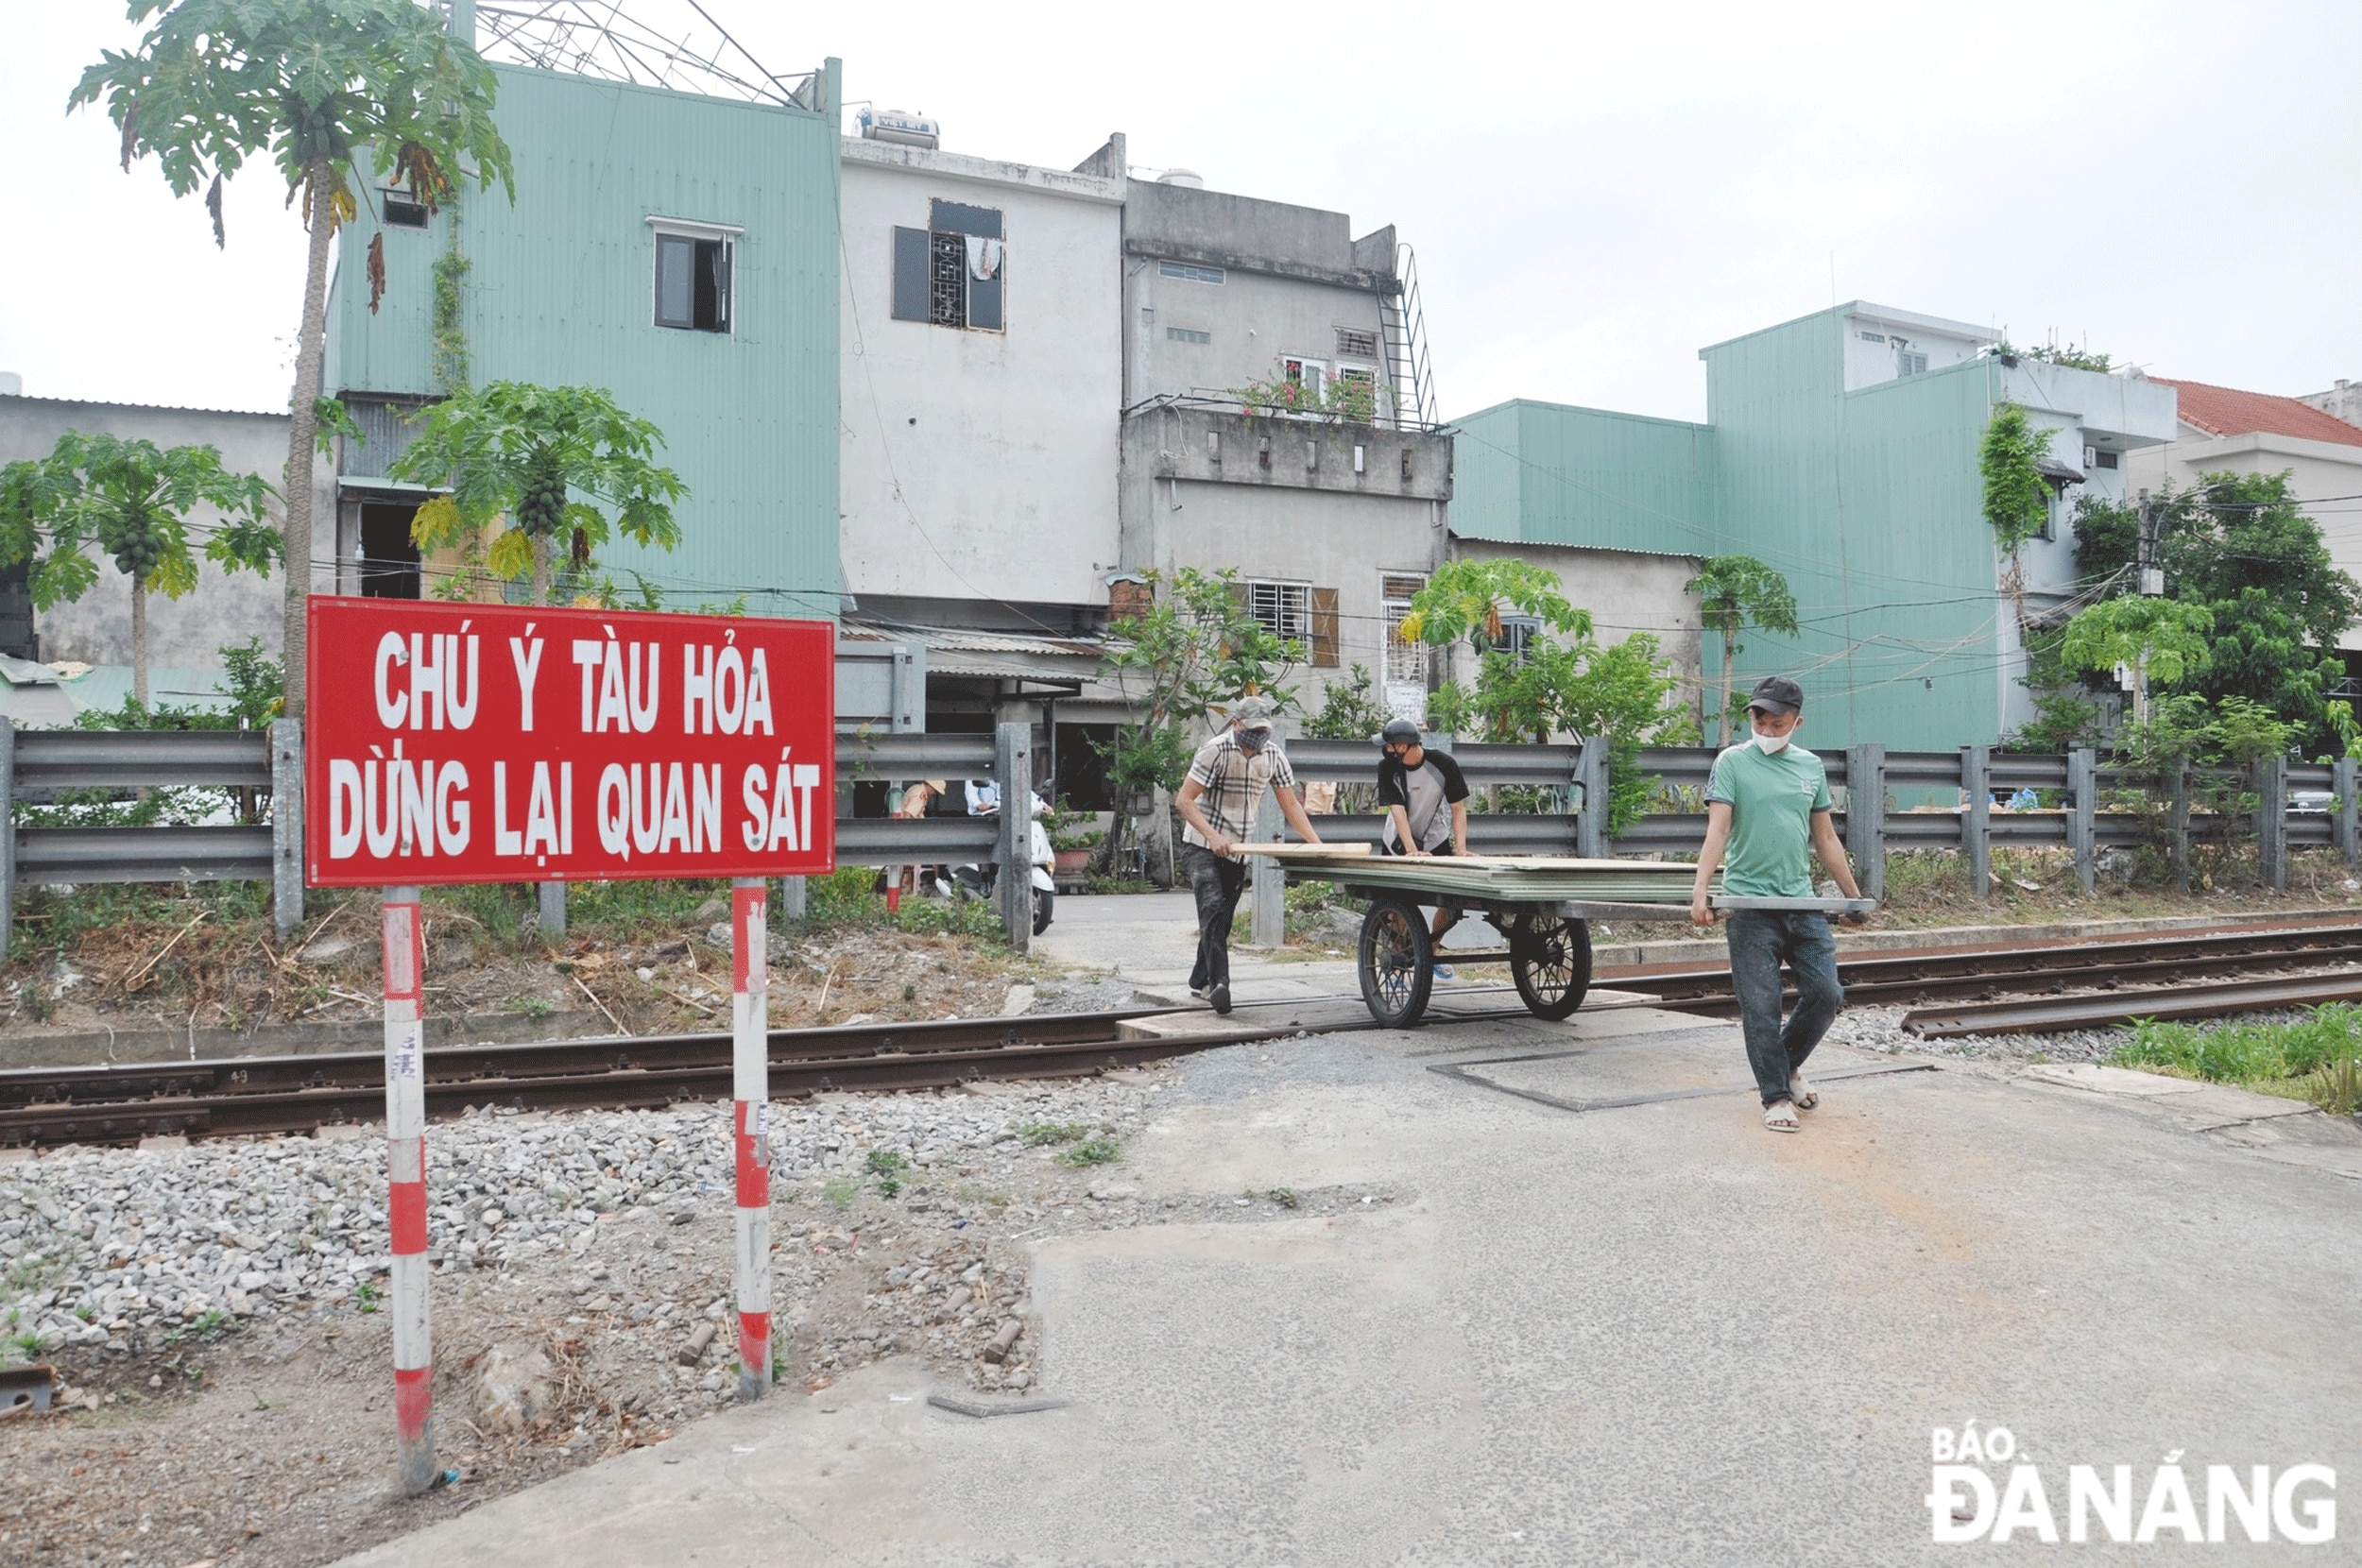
(2082, 814)
(1976, 822)
(2345, 821)
(553, 909)
(2271, 822)
(795, 899)
(750, 1094)
(8, 834)
(1591, 817)
(405, 1173)
(1013, 767)
(286, 825)
(1269, 927)
(2179, 825)
(1866, 815)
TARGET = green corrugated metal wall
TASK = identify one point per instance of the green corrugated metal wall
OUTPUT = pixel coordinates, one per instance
(1868, 502)
(561, 292)
(1546, 473)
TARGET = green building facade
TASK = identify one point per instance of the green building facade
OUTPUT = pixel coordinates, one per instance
(1841, 449)
(735, 359)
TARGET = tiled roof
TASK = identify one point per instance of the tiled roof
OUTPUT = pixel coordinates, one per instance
(2226, 411)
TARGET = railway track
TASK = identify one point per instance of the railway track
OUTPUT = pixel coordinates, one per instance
(241, 1096)
(1989, 974)
(236, 1096)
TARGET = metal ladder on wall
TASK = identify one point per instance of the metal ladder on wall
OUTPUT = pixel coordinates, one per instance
(1407, 368)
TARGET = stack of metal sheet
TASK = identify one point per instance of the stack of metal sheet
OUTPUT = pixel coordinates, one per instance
(1523, 879)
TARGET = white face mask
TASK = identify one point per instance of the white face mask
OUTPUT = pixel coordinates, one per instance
(1771, 745)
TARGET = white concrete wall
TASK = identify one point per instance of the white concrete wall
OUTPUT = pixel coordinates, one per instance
(981, 464)
(225, 608)
(1867, 363)
(1254, 318)
(1625, 591)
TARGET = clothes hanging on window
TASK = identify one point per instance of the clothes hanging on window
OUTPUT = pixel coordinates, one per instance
(984, 257)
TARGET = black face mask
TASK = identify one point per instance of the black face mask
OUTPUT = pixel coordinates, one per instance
(1253, 741)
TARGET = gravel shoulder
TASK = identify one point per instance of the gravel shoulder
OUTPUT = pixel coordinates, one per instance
(213, 1310)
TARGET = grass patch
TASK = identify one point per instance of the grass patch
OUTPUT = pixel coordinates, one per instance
(1041, 1135)
(841, 1191)
(2318, 1058)
(1093, 1151)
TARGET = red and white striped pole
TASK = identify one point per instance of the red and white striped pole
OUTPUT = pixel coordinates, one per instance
(750, 1060)
(405, 1172)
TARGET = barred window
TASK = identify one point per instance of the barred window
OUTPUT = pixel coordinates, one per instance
(1352, 343)
(1285, 609)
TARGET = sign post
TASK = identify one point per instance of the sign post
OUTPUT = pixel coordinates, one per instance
(405, 1188)
(450, 743)
(751, 1081)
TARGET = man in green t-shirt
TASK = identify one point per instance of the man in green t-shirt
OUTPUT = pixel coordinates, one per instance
(1768, 806)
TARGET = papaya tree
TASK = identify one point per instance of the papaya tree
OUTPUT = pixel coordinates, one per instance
(335, 93)
(549, 459)
(1734, 593)
(129, 500)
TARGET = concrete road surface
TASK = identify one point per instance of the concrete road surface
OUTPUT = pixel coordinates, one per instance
(1596, 1314)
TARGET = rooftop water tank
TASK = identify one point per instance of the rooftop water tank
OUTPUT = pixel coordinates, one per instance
(894, 125)
(1189, 180)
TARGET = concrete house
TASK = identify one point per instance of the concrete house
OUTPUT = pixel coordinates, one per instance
(1332, 523)
(2221, 430)
(1841, 448)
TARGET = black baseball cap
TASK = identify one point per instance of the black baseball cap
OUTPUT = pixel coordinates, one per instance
(1777, 694)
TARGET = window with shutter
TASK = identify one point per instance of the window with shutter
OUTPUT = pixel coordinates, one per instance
(910, 275)
(1285, 609)
(693, 282)
(1325, 628)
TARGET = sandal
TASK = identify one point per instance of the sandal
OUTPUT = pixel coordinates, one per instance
(1804, 1094)
(1780, 1117)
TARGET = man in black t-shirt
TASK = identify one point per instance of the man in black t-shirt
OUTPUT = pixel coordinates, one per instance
(1425, 802)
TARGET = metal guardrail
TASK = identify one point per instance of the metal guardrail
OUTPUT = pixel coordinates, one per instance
(36, 766)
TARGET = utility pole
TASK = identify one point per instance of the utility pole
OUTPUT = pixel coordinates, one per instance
(2152, 566)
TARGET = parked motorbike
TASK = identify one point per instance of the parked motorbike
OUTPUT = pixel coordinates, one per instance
(982, 880)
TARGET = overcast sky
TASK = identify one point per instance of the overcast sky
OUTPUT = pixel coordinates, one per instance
(1594, 192)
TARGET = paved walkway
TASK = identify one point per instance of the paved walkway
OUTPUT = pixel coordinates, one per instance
(1594, 1314)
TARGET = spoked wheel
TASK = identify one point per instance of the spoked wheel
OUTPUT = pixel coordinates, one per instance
(1550, 958)
(1397, 964)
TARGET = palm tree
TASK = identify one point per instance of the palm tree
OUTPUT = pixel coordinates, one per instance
(320, 87)
(1734, 592)
(129, 500)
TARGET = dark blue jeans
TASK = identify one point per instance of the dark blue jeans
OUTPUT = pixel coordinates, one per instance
(1761, 940)
(1217, 880)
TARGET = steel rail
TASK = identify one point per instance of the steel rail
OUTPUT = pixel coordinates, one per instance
(2049, 1014)
(304, 1109)
(116, 1102)
(1981, 972)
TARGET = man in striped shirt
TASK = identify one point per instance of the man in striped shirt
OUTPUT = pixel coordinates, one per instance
(1226, 781)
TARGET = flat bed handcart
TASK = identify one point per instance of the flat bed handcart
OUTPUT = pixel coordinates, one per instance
(1543, 906)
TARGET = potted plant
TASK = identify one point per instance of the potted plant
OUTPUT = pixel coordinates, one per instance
(1072, 836)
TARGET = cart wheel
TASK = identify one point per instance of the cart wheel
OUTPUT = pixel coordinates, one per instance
(1397, 964)
(1550, 958)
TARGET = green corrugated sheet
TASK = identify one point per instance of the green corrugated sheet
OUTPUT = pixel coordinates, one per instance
(561, 291)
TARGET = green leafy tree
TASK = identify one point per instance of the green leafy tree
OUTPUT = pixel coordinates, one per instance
(1464, 599)
(2162, 641)
(2017, 500)
(129, 500)
(1349, 708)
(1734, 593)
(524, 452)
(1625, 694)
(322, 88)
(1186, 659)
(2241, 546)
